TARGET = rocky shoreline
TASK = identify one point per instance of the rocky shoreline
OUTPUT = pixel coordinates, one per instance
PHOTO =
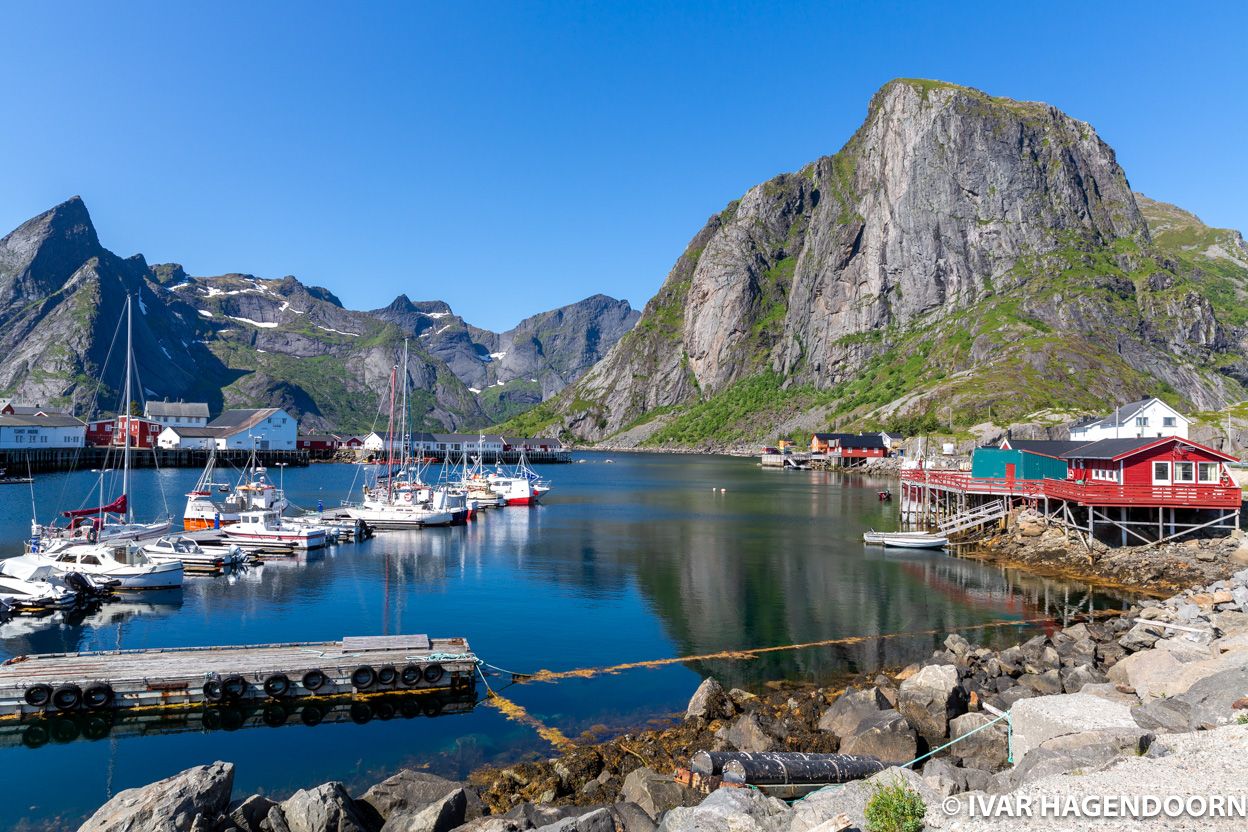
(1082, 699)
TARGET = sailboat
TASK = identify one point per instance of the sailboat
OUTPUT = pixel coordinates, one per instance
(99, 546)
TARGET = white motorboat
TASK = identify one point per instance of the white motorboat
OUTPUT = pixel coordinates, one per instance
(514, 491)
(381, 515)
(263, 527)
(125, 563)
(192, 556)
(30, 586)
(205, 511)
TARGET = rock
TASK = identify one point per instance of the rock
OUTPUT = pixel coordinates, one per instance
(943, 777)
(1139, 637)
(1083, 751)
(742, 698)
(498, 824)
(851, 799)
(745, 810)
(1208, 703)
(537, 815)
(1045, 717)
(1044, 684)
(851, 708)
(1074, 679)
(326, 807)
(1030, 529)
(169, 805)
(930, 698)
(1110, 691)
(957, 645)
(599, 820)
(632, 818)
(886, 736)
(249, 813)
(407, 791)
(1148, 671)
(439, 815)
(746, 734)
(710, 702)
(656, 793)
(275, 822)
(986, 749)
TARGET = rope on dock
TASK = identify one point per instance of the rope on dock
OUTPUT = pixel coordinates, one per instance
(753, 653)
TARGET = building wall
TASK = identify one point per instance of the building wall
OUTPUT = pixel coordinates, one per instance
(1154, 416)
(278, 432)
(989, 463)
(39, 437)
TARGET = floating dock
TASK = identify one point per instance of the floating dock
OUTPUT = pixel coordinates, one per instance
(191, 676)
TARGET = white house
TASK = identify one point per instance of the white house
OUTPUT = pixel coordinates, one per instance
(189, 414)
(36, 432)
(188, 438)
(1145, 418)
(471, 442)
(263, 429)
(891, 439)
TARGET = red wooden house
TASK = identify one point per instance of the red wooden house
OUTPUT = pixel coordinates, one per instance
(1154, 465)
(100, 432)
(143, 432)
(353, 442)
(323, 442)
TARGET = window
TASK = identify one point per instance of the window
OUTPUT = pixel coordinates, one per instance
(1141, 421)
(1161, 473)
(1168, 421)
(1184, 472)
(1208, 471)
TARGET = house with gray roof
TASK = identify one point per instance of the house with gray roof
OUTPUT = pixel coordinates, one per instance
(1147, 418)
(187, 414)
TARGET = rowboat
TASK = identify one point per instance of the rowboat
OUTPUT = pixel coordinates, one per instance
(910, 540)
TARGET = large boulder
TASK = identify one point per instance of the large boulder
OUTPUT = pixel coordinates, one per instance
(851, 708)
(886, 735)
(409, 792)
(598, 820)
(326, 807)
(746, 734)
(249, 813)
(170, 805)
(930, 698)
(440, 815)
(656, 793)
(851, 799)
(1149, 672)
(1206, 704)
(710, 701)
(985, 748)
(1085, 751)
(737, 810)
(1044, 717)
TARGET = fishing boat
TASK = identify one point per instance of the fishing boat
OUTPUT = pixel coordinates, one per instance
(522, 487)
(204, 510)
(265, 526)
(192, 556)
(907, 540)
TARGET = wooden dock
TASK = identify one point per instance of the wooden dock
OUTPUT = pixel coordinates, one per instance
(218, 676)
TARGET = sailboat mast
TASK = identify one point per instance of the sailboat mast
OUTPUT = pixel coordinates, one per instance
(390, 441)
(407, 428)
(125, 468)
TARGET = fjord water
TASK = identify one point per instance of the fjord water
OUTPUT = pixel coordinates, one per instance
(645, 558)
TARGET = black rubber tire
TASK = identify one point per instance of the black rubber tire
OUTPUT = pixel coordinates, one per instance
(234, 688)
(411, 676)
(311, 716)
(314, 680)
(387, 676)
(277, 685)
(97, 727)
(384, 710)
(36, 735)
(361, 712)
(434, 673)
(97, 696)
(273, 715)
(433, 707)
(38, 696)
(64, 730)
(212, 691)
(364, 677)
(67, 697)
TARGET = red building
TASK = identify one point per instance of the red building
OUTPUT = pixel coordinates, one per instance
(353, 442)
(100, 432)
(143, 432)
(318, 442)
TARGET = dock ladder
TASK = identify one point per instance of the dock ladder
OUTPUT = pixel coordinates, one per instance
(974, 518)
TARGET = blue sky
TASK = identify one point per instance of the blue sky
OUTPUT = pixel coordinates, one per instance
(512, 157)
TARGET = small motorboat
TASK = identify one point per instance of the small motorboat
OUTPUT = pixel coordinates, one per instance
(262, 527)
(125, 563)
(192, 556)
(884, 495)
(5, 479)
(31, 587)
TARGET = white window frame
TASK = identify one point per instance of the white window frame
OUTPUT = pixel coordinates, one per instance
(1217, 472)
(1191, 469)
(1154, 465)
(1169, 422)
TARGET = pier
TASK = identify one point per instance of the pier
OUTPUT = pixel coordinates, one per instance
(68, 683)
(42, 460)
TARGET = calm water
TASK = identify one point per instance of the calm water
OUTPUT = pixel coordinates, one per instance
(641, 559)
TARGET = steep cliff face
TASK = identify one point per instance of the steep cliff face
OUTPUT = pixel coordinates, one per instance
(961, 253)
(237, 340)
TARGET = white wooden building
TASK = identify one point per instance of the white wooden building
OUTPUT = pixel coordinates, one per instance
(1137, 420)
(37, 432)
(188, 438)
(262, 429)
(187, 414)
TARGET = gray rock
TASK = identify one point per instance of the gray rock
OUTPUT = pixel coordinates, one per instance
(599, 820)
(656, 793)
(710, 702)
(440, 815)
(986, 749)
(408, 791)
(930, 698)
(249, 813)
(169, 805)
(745, 734)
(945, 778)
(632, 818)
(1045, 717)
(496, 824)
(275, 822)
(851, 708)
(1206, 704)
(1044, 684)
(851, 799)
(326, 807)
(1139, 637)
(746, 810)
(1085, 751)
(886, 736)
(1074, 679)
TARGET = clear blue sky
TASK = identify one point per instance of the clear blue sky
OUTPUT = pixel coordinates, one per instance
(515, 156)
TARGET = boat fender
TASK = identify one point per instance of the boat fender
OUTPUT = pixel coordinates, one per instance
(98, 696)
(233, 687)
(387, 676)
(434, 673)
(67, 697)
(277, 685)
(314, 680)
(37, 696)
(212, 690)
(364, 677)
(411, 675)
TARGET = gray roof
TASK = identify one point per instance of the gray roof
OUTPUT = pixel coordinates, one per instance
(52, 420)
(234, 421)
(194, 410)
(197, 432)
(1111, 448)
(1121, 416)
(1045, 447)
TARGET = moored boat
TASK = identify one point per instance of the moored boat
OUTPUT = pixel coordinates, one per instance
(264, 526)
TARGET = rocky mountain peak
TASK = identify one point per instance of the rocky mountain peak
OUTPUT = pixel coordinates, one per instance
(43, 252)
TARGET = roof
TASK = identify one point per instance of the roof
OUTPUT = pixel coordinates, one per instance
(893, 435)
(51, 420)
(317, 437)
(529, 441)
(235, 421)
(868, 440)
(30, 409)
(193, 410)
(187, 432)
(1114, 449)
(1122, 415)
(1045, 447)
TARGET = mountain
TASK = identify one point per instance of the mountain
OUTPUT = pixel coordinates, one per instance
(238, 340)
(962, 259)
